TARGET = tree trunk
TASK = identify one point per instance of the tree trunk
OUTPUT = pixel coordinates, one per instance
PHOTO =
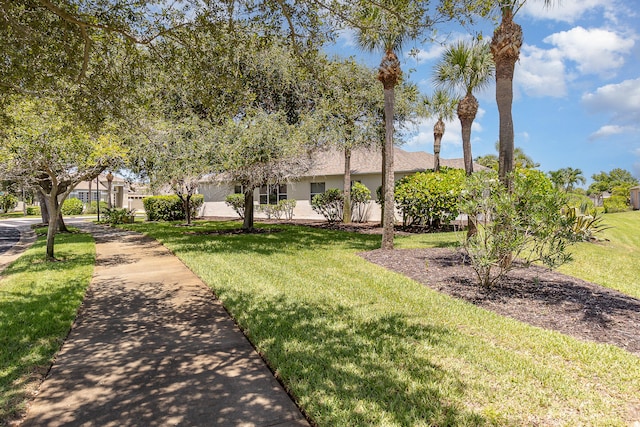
(346, 210)
(505, 48)
(186, 206)
(44, 211)
(62, 227)
(467, 110)
(389, 205)
(438, 131)
(54, 213)
(248, 210)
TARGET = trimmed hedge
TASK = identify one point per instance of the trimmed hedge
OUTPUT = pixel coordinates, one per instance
(170, 208)
(72, 207)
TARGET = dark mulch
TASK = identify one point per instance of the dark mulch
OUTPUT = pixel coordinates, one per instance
(536, 295)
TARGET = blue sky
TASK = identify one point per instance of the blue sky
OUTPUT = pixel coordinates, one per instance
(576, 88)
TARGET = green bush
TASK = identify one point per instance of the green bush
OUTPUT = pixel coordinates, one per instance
(72, 207)
(287, 206)
(170, 208)
(615, 204)
(360, 197)
(430, 198)
(236, 202)
(115, 216)
(92, 208)
(329, 204)
(581, 201)
(8, 202)
(527, 224)
(33, 210)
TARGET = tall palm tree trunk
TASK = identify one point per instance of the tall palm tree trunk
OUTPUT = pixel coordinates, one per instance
(388, 74)
(438, 132)
(467, 110)
(505, 48)
(346, 209)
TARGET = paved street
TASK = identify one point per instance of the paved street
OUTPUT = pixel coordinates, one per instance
(9, 236)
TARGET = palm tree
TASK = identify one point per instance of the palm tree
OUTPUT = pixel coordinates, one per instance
(468, 67)
(441, 105)
(566, 178)
(505, 49)
(381, 30)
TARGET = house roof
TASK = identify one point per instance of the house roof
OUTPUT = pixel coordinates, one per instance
(369, 161)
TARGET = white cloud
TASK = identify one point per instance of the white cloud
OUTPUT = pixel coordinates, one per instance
(421, 55)
(620, 100)
(595, 50)
(567, 10)
(610, 130)
(347, 37)
(541, 72)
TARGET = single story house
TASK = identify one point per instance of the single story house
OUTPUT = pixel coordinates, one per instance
(123, 193)
(635, 197)
(327, 172)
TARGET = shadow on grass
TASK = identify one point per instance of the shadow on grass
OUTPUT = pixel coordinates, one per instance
(36, 313)
(290, 238)
(349, 371)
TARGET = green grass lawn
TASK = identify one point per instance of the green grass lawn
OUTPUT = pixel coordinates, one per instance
(38, 303)
(359, 345)
(614, 263)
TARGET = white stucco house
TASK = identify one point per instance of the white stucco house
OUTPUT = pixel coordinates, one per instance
(327, 172)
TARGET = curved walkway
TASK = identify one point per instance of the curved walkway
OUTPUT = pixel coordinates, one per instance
(152, 346)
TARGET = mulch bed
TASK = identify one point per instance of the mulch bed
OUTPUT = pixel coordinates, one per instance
(536, 295)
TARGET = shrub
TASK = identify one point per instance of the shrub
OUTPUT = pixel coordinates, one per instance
(92, 208)
(615, 204)
(72, 207)
(236, 202)
(430, 198)
(287, 206)
(586, 223)
(33, 210)
(8, 202)
(115, 216)
(360, 197)
(271, 211)
(527, 223)
(170, 208)
(581, 201)
(329, 204)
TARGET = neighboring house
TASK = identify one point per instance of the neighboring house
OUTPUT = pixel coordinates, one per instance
(635, 197)
(123, 194)
(598, 198)
(327, 172)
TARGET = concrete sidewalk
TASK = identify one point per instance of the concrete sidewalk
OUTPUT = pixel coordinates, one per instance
(153, 347)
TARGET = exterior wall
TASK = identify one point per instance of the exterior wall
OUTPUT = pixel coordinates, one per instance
(635, 198)
(215, 194)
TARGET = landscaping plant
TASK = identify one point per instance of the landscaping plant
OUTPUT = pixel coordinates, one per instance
(430, 198)
(236, 202)
(360, 197)
(515, 228)
(329, 204)
(72, 207)
(8, 202)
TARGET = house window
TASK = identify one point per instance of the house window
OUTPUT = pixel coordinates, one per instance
(272, 194)
(316, 188)
(238, 189)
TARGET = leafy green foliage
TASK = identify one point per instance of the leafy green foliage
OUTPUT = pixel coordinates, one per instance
(616, 204)
(8, 202)
(607, 181)
(329, 204)
(566, 178)
(360, 197)
(92, 208)
(527, 224)
(169, 208)
(430, 198)
(72, 207)
(236, 202)
(586, 223)
(115, 216)
(33, 210)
